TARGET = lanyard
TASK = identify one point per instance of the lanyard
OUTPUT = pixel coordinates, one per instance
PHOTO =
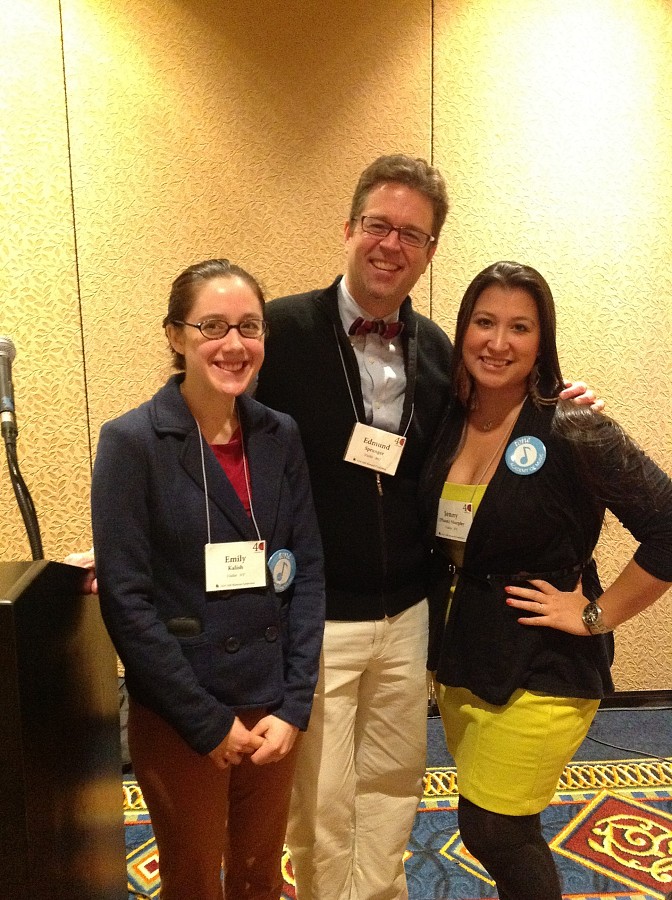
(352, 398)
(247, 483)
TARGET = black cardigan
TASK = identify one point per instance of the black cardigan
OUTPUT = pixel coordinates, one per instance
(541, 525)
(376, 560)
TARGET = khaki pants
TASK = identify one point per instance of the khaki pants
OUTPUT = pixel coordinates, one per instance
(362, 760)
(201, 815)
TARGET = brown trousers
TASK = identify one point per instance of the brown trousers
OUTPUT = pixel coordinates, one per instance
(202, 816)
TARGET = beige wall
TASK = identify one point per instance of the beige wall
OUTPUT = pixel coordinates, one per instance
(553, 124)
(39, 301)
(139, 136)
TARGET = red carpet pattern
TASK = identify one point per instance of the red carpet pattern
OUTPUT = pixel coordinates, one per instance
(626, 839)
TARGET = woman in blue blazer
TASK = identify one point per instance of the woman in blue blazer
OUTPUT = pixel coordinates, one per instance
(209, 568)
(516, 489)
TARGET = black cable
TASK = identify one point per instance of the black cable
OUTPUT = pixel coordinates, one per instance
(25, 501)
(641, 753)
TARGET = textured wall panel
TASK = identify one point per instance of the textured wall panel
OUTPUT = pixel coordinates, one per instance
(201, 128)
(39, 306)
(237, 129)
(553, 125)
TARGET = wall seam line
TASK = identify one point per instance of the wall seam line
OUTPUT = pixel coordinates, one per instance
(74, 237)
(431, 134)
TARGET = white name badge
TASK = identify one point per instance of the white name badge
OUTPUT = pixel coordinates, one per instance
(374, 448)
(238, 564)
(454, 519)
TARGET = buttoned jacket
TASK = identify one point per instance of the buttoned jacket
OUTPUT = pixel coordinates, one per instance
(192, 656)
(376, 561)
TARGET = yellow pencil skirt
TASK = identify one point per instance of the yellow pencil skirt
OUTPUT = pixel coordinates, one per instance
(509, 758)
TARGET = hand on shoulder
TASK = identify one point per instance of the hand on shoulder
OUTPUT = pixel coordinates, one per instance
(582, 395)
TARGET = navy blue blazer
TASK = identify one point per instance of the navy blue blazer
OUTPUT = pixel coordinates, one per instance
(195, 658)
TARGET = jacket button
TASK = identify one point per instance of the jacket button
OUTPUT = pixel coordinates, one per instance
(271, 634)
(232, 645)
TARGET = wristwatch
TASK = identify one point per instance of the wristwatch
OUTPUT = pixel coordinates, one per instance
(592, 619)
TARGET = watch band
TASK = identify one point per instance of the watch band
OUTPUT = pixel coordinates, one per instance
(592, 619)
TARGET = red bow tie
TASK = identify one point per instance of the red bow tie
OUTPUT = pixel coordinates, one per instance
(386, 330)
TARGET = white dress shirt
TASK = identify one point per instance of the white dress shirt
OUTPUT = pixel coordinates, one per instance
(381, 365)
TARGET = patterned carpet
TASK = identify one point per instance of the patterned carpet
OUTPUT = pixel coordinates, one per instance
(610, 827)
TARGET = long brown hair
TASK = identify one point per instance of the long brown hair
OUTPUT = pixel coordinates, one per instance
(546, 378)
(599, 443)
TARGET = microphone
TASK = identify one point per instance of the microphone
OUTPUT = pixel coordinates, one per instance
(9, 433)
(7, 415)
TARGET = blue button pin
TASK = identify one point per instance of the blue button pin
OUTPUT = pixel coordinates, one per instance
(282, 565)
(525, 455)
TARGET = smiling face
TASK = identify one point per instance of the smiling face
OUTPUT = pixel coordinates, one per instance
(502, 340)
(225, 366)
(381, 272)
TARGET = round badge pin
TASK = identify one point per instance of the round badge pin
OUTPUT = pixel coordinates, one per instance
(282, 566)
(525, 455)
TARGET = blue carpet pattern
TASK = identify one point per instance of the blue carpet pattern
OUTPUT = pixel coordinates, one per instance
(609, 826)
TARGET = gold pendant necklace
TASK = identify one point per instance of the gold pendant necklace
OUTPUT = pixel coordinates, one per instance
(507, 435)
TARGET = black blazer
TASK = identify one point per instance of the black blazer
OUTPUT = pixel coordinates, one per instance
(542, 525)
(242, 649)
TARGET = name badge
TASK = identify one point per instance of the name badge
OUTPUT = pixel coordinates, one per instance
(235, 564)
(454, 519)
(374, 448)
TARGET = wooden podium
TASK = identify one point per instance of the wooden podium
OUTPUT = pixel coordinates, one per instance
(61, 815)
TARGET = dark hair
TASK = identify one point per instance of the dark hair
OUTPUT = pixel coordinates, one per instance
(185, 286)
(546, 380)
(586, 431)
(412, 171)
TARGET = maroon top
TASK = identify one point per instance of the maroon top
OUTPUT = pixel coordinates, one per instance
(230, 458)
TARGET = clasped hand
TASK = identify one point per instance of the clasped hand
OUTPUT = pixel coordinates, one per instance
(553, 608)
(268, 741)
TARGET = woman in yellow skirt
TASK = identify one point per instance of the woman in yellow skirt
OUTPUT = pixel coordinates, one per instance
(521, 644)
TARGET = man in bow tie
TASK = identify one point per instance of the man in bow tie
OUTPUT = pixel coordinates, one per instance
(359, 369)
(356, 353)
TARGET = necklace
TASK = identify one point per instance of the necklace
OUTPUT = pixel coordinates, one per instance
(492, 458)
(489, 424)
(507, 435)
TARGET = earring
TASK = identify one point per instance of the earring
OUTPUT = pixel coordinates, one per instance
(463, 385)
(533, 383)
